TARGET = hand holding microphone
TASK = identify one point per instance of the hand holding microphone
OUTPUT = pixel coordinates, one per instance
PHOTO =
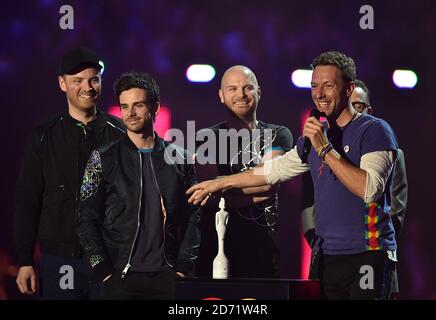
(314, 133)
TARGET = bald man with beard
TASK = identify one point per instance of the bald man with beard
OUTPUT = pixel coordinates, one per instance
(253, 212)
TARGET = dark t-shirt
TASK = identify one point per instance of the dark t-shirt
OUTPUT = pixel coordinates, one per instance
(147, 254)
(248, 244)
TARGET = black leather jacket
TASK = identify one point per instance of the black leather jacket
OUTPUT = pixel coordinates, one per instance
(49, 181)
(110, 205)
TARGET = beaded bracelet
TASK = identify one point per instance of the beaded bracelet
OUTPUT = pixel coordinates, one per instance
(325, 150)
(321, 149)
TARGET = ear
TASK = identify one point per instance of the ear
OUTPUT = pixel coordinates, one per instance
(370, 111)
(156, 110)
(221, 94)
(62, 83)
(350, 89)
(259, 92)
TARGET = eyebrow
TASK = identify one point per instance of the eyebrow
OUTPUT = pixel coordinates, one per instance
(234, 86)
(134, 103)
(82, 78)
(325, 82)
(138, 102)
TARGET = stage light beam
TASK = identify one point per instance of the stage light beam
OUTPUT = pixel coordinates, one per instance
(405, 79)
(101, 63)
(200, 73)
(302, 78)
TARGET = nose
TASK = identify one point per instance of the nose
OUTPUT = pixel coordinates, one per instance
(318, 92)
(132, 111)
(88, 87)
(240, 92)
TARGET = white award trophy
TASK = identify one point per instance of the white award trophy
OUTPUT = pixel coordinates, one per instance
(221, 263)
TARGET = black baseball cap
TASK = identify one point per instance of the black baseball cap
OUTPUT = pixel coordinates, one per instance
(78, 59)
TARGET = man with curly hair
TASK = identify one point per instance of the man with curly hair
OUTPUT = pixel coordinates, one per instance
(350, 160)
(361, 102)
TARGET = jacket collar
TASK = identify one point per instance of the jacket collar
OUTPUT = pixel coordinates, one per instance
(97, 123)
(159, 143)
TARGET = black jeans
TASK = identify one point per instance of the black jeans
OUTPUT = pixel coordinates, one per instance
(63, 278)
(140, 286)
(366, 275)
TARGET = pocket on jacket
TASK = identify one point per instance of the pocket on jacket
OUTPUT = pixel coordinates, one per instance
(114, 208)
(57, 220)
(53, 194)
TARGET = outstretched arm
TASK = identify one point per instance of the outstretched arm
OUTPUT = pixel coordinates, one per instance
(271, 172)
(239, 198)
(251, 178)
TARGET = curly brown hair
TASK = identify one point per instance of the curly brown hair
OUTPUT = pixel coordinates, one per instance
(139, 80)
(341, 61)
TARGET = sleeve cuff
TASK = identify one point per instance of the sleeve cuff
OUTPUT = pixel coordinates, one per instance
(102, 270)
(184, 266)
(25, 260)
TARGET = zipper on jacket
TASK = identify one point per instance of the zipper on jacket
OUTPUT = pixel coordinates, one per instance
(163, 225)
(128, 265)
(82, 126)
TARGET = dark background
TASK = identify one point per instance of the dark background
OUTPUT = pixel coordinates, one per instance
(271, 37)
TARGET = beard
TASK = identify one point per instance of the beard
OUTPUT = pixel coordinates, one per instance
(140, 125)
(81, 103)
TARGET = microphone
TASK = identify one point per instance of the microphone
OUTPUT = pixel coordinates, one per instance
(307, 144)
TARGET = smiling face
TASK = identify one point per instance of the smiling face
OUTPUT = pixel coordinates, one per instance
(82, 89)
(360, 101)
(330, 93)
(240, 92)
(137, 112)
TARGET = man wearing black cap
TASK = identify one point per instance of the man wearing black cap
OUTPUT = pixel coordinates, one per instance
(49, 183)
